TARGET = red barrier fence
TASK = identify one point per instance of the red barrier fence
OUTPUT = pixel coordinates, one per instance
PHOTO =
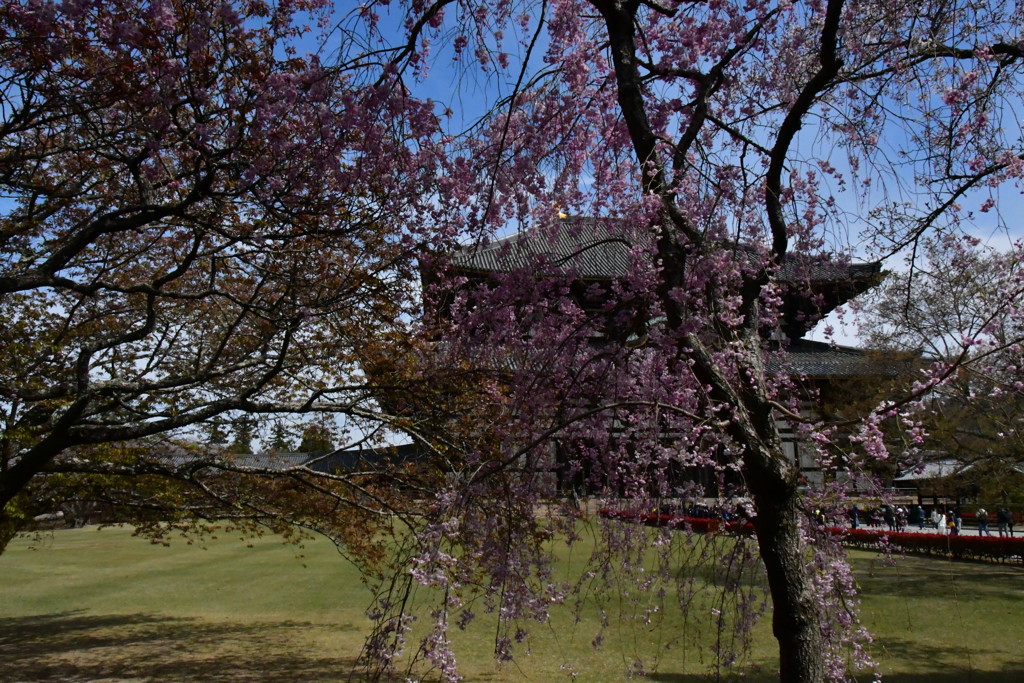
(697, 524)
(990, 548)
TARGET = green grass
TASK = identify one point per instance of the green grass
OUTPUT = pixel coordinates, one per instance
(87, 604)
(944, 621)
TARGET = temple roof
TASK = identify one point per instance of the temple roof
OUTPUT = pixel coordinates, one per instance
(819, 360)
(598, 249)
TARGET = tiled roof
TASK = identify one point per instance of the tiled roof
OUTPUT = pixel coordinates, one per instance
(269, 461)
(827, 361)
(596, 248)
(263, 461)
(590, 248)
(324, 461)
(365, 458)
(940, 468)
(936, 469)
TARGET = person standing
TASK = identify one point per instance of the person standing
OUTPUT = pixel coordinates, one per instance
(920, 517)
(1005, 521)
(890, 517)
(982, 516)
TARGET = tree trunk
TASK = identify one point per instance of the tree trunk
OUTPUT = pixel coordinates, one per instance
(796, 616)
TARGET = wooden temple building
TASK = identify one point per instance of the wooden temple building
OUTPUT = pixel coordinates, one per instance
(596, 252)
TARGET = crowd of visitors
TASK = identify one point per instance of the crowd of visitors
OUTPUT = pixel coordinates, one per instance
(943, 520)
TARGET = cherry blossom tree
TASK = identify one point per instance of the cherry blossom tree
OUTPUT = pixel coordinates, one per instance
(202, 220)
(721, 145)
(199, 220)
(960, 307)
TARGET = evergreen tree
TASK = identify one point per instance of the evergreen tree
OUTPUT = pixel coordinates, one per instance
(316, 438)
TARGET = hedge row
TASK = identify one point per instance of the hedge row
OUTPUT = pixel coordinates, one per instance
(991, 548)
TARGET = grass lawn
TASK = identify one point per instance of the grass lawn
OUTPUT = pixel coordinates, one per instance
(89, 605)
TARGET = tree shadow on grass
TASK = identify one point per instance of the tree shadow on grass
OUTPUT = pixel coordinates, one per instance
(707, 678)
(925, 664)
(74, 646)
(918, 577)
(958, 676)
(932, 664)
(952, 676)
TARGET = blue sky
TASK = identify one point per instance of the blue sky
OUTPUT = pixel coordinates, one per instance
(464, 92)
